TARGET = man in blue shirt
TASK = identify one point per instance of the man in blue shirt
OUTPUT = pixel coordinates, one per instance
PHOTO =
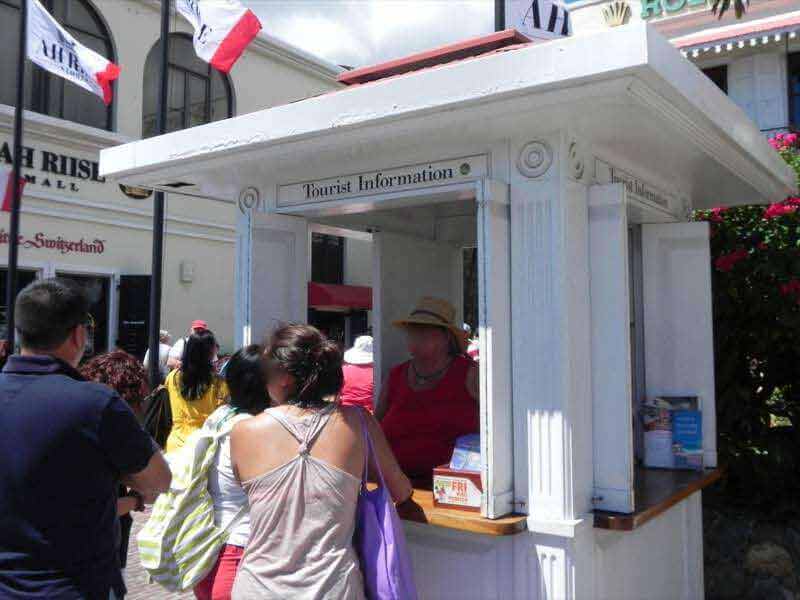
(66, 444)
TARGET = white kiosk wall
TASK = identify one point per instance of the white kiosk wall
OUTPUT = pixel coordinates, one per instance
(405, 268)
(279, 273)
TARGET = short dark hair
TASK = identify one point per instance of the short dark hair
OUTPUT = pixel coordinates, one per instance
(312, 359)
(46, 312)
(246, 379)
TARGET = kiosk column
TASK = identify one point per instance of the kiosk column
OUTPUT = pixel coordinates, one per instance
(552, 358)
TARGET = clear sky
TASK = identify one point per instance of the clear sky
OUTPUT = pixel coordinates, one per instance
(362, 32)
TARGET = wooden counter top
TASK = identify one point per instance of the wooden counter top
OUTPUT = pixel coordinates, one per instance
(656, 490)
(420, 509)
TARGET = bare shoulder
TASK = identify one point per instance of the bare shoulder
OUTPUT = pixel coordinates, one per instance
(251, 426)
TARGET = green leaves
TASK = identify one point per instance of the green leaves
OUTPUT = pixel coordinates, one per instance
(756, 294)
(719, 7)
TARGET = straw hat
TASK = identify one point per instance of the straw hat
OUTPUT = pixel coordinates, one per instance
(361, 352)
(435, 312)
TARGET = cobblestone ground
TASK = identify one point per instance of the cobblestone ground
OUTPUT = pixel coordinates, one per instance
(136, 576)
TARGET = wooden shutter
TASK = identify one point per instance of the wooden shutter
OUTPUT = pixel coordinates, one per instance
(494, 326)
(770, 78)
(742, 86)
(679, 337)
(612, 419)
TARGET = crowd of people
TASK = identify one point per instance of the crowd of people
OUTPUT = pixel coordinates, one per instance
(291, 418)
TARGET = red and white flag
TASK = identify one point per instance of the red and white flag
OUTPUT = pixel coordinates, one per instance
(7, 188)
(52, 47)
(222, 29)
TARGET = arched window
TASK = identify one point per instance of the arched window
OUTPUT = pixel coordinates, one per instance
(46, 93)
(197, 93)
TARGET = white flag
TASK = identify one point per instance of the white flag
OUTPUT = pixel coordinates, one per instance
(538, 19)
(222, 29)
(51, 47)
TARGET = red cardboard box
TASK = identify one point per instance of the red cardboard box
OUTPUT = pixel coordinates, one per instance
(461, 490)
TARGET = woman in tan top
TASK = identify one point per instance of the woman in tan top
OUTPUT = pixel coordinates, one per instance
(300, 464)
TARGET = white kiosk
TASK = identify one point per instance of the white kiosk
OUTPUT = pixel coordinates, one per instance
(572, 166)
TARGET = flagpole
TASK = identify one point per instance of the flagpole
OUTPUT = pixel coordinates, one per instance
(499, 15)
(158, 210)
(19, 115)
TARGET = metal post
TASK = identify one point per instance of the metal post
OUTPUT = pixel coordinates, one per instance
(158, 209)
(19, 116)
(499, 15)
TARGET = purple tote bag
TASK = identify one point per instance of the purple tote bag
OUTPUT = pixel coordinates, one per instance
(379, 538)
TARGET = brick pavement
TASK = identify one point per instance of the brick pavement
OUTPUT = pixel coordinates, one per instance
(135, 575)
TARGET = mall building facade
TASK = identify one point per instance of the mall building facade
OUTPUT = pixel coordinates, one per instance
(755, 59)
(76, 224)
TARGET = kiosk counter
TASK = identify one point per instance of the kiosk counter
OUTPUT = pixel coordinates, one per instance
(572, 166)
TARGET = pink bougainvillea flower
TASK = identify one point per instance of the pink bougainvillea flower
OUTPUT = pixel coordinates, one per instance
(792, 288)
(716, 214)
(793, 201)
(726, 262)
(781, 208)
(790, 139)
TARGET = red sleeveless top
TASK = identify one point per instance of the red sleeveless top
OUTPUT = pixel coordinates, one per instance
(358, 386)
(422, 426)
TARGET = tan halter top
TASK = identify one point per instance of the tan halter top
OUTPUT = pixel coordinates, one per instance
(302, 516)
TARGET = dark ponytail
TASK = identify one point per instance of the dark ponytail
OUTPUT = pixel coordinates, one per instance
(313, 360)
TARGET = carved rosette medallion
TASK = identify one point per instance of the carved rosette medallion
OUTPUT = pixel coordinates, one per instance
(535, 159)
(575, 160)
(249, 200)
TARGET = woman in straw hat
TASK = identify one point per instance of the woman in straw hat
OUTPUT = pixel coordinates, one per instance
(432, 399)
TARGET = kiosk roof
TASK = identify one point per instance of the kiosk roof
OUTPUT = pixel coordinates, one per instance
(627, 92)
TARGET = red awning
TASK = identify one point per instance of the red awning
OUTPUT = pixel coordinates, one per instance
(326, 296)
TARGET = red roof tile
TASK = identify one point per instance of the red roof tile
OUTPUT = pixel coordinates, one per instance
(471, 48)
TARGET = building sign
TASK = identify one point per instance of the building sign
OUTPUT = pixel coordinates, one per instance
(605, 173)
(380, 182)
(658, 8)
(53, 170)
(43, 241)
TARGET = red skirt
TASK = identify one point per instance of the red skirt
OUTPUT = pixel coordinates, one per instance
(217, 585)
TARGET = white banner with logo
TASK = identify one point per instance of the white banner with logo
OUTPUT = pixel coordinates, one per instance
(51, 47)
(222, 29)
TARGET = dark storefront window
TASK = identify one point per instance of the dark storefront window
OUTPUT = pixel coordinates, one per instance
(98, 288)
(134, 317)
(198, 93)
(794, 89)
(46, 93)
(327, 259)
(719, 75)
(24, 277)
